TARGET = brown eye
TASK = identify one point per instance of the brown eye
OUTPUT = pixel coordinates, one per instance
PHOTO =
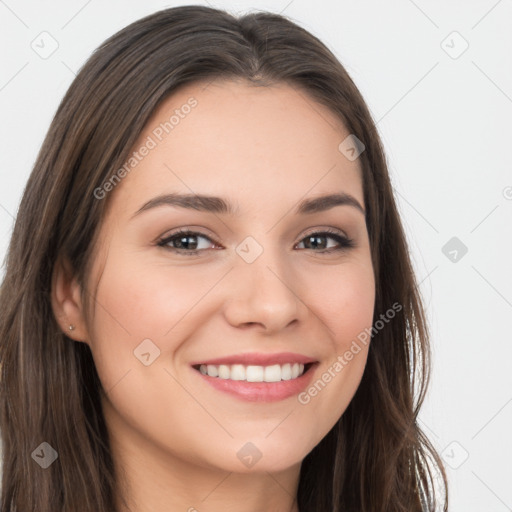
(187, 242)
(318, 242)
(184, 242)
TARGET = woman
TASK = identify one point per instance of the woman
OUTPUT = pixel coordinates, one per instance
(208, 293)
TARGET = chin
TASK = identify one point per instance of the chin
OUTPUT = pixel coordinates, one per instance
(261, 456)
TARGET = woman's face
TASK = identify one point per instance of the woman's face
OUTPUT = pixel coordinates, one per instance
(261, 287)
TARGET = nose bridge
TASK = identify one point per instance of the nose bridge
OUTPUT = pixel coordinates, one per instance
(263, 290)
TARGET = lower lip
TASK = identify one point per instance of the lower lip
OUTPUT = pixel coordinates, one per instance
(261, 391)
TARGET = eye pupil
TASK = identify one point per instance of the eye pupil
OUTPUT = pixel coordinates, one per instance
(316, 237)
(184, 245)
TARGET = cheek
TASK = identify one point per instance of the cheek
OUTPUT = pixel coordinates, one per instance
(344, 301)
(135, 303)
(345, 305)
(149, 301)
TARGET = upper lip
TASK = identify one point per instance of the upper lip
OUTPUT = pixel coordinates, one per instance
(259, 359)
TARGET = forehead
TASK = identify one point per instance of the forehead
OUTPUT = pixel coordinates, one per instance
(255, 145)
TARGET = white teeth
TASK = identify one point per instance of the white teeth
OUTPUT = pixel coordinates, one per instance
(251, 373)
(238, 372)
(223, 371)
(286, 372)
(212, 370)
(272, 373)
(254, 374)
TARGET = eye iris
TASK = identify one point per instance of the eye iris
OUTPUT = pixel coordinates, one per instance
(316, 237)
(185, 245)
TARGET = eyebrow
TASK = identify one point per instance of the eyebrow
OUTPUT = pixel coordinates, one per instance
(213, 204)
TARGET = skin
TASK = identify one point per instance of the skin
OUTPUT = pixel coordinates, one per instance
(175, 438)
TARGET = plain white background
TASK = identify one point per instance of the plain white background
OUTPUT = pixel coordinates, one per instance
(437, 77)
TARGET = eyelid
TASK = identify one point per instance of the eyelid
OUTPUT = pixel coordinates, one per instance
(317, 230)
(193, 230)
(196, 230)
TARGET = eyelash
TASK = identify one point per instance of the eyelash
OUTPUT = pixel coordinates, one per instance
(344, 242)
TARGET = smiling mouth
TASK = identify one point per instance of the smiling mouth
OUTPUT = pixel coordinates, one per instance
(254, 373)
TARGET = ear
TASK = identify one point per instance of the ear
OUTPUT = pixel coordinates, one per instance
(66, 301)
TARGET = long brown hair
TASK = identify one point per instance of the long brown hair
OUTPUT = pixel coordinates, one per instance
(376, 457)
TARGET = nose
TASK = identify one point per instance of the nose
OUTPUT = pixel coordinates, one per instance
(262, 293)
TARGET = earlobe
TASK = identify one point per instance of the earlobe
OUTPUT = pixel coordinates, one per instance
(66, 301)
